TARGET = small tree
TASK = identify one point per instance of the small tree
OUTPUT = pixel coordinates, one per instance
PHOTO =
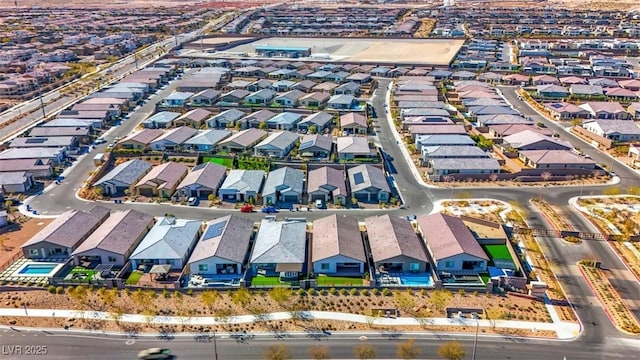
(242, 297)
(209, 298)
(440, 298)
(262, 126)
(313, 129)
(364, 351)
(408, 350)
(280, 295)
(452, 350)
(319, 352)
(277, 352)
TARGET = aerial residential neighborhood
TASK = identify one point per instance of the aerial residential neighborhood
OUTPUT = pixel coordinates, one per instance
(449, 179)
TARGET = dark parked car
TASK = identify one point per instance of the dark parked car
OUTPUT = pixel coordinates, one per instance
(269, 210)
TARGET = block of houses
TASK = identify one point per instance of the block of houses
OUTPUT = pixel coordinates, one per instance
(352, 147)
(225, 119)
(115, 239)
(63, 235)
(140, 140)
(616, 130)
(451, 244)
(256, 118)
(566, 111)
(284, 121)
(354, 123)
(395, 246)
(123, 177)
(15, 182)
(315, 100)
(161, 120)
(222, 247)
(368, 184)
(169, 242)
(531, 140)
(342, 102)
(207, 97)
(260, 97)
(162, 180)
(289, 99)
(203, 180)
(280, 247)
(176, 99)
(316, 146)
(337, 247)
(283, 185)
(242, 185)
(555, 159)
(242, 140)
(319, 120)
(605, 110)
(37, 168)
(206, 140)
(277, 144)
(327, 184)
(173, 139)
(194, 118)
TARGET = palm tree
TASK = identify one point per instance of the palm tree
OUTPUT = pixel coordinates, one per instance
(277, 352)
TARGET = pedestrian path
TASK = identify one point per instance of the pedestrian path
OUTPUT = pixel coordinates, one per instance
(564, 330)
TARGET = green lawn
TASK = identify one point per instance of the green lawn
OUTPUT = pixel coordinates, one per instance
(497, 251)
(134, 277)
(339, 281)
(269, 281)
(81, 270)
(485, 277)
(222, 161)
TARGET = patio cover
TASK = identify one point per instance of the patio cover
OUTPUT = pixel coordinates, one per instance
(160, 269)
(103, 267)
(288, 267)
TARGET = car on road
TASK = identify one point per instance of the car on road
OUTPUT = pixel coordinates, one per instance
(319, 204)
(246, 209)
(193, 201)
(269, 210)
(100, 141)
(155, 354)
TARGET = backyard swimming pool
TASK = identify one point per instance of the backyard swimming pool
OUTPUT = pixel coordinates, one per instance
(33, 269)
(416, 280)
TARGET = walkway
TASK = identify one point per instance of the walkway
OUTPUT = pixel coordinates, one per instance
(564, 330)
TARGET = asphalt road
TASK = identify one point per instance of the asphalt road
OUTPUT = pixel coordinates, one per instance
(68, 346)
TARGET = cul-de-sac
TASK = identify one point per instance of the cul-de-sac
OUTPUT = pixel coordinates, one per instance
(388, 179)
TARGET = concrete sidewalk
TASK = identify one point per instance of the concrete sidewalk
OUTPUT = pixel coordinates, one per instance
(564, 330)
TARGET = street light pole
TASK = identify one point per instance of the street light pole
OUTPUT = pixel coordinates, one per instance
(475, 341)
(215, 345)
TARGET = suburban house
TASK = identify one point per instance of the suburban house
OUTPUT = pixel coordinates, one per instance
(207, 97)
(277, 144)
(349, 88)
(206, 140)
(319, 120)
(566, 111)
(123, 177)
(160, 120)
(284, 121)
(162, 180)
(368, 183)
(316, 146)
(140, 140)
(315, 100)
(115, 239)
(443, 140)
(173, 139)
(531, 140)
(289, 99)
(176, 99)
(616, 130)
(555, 159)
(15, 183)
(452, 246)
(280, 248)
(552, 91)
(452, 152)
(194, 118)
(55, 155)
(225, 119)
(395, 246)
(502, 130)
(169, 242)
(634, 110)
(354, 123)
(62, 236)
(260, 97)
(256, 118)
(341, 102)
(460, 166)
(352, 147)
(584, 90)
(283, 185)
(337, 247)
(34, 167)
(203, 180)
(242, 140)
(234, 96)
(605, 110)
(222, 248)
(242, 185)
(327, 184)
(65, 142)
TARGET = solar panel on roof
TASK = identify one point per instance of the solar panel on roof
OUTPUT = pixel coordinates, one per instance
(358, 178)
(214, 230)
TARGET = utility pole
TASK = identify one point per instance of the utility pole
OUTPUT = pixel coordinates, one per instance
(475, 341)
(44, 114)
(215, 345)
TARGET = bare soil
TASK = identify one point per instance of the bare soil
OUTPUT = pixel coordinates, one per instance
(15, 235)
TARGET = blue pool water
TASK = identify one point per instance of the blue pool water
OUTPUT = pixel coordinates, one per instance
(416, 280)
(37, 269)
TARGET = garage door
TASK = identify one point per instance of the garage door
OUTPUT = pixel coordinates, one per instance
(317, 197)
(290, 199)
(362, 196)
(146, 192)
(203, 193)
